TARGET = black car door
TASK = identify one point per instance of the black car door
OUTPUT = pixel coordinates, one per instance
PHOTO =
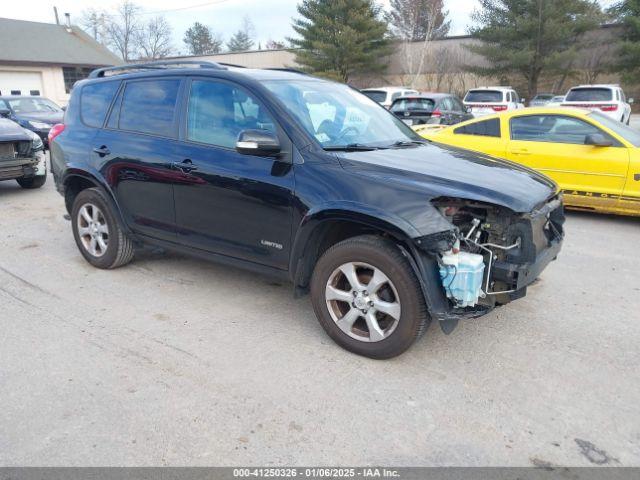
(135, 153)
(237, 205)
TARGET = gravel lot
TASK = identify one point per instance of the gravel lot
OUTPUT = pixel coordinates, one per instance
(171, 361)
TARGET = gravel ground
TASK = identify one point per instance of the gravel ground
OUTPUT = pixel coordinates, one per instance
(172, 361)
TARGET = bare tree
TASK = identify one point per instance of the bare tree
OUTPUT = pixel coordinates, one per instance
(153, 39)
(93, 21)
(123, 28)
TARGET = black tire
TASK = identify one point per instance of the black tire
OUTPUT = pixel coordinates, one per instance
(382, 254)
(32, 182)
(119, 248)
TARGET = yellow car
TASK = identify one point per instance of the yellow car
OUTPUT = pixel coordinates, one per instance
(594, 159)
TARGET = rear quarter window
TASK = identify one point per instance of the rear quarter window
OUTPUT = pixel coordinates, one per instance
(95, 99)
(486, 128)
(149, 106)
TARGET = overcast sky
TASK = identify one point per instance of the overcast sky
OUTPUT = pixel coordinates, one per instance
(272, 18)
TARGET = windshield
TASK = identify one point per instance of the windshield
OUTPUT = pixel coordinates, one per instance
(589, 95)
(629, 134)
(405, 104)
(483, 96)
(33, 105)
(559, 98)
(375, 95)
(338, 116)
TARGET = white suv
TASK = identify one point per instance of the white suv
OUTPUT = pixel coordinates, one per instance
(386, 95)
(609, 99)
(486, 100)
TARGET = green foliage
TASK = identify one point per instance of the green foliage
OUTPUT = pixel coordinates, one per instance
(531, 37)
(340, 38)
(200, 40)
(628, 55)
(417, 20)
(240, 42)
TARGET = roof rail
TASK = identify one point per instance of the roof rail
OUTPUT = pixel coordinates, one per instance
(286, 69)
(159, 65)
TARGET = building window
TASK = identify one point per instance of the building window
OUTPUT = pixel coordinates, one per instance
(16, 92)
(34, 93)
(73, 74)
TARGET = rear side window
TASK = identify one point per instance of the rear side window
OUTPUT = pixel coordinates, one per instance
(376, 95)
(589, 95)
(486, 128)
(95, 100)
(149, 107)
(484, 96)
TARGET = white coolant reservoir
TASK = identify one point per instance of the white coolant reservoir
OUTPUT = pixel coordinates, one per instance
(462, 275)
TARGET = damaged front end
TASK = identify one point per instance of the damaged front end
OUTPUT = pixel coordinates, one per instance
(488, 257)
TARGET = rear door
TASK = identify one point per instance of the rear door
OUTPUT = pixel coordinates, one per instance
(555, 145)
(137, 151)
(236, 205)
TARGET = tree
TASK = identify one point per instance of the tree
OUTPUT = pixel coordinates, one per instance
(93, 22)
(628, 55)
(341, 38)
(274, 45)
(201, 41)
(122, 29)
(417, 20)
(242, 39)
(154, 39)
(530, 38)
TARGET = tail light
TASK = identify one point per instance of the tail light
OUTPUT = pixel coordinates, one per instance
(499, 108)
(436, 113)
(56, 130)
(609, 108)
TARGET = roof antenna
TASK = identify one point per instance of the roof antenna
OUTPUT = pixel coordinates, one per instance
(55, 11)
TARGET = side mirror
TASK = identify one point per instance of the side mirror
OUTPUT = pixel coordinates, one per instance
(598, 140)
(5, 112)
(630, 101)
(261, 143)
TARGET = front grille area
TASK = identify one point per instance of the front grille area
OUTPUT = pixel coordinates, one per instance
(8, 151)
(23, 148)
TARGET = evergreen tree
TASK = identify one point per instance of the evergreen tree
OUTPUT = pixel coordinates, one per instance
(628, 58)
(201, 41)
(418, 20)
(242, 39)
(340, 38)
(531, 37)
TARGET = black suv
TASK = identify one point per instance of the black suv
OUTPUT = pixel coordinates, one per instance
(306, 180)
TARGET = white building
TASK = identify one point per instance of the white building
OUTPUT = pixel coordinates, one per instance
(47, 59)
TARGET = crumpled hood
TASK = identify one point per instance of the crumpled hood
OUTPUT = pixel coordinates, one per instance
(451, 172)
(10, 131)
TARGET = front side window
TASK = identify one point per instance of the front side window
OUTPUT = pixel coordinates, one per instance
(337, 115)
(590, 95)
(95, 100)
(485, 128)
(219, 111)
(552, 128)
(149, 106)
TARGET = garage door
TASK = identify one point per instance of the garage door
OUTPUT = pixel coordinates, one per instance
(20, 83)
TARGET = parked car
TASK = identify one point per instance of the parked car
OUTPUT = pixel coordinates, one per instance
(488, 100)
(541, 100)
(430, 108)
(386, 95)
(21, 155)
(37, 114)
(608, 99)
(594, 158)
(228, 164)
(555, 101)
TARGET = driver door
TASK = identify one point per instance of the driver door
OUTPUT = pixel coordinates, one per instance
(555, 145)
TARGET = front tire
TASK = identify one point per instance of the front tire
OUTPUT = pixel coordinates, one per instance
(367, 298)
(97, 231)
(32, 182)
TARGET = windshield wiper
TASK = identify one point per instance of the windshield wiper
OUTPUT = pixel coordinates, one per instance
(408, 143)
(351, 147)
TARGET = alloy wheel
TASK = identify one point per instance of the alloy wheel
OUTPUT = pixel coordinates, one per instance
(93, 229)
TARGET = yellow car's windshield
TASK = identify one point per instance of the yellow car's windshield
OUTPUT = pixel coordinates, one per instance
(629, 134)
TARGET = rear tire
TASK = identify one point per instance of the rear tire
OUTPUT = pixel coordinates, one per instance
(98, 232)
(32, 182)
(362, 318)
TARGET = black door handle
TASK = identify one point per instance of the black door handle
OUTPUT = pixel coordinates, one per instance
(186, 166)
(636, 177)
(102, 151)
